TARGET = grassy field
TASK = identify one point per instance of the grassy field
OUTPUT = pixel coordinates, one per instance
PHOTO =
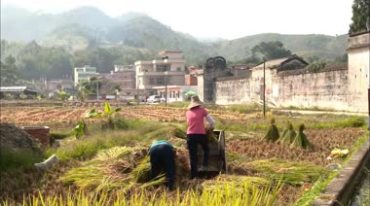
(102, 167)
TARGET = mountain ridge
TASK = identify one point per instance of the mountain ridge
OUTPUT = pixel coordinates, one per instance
(78, 28)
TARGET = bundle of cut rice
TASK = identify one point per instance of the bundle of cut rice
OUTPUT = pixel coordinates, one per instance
(301, 139)
(273, 132)
(177, 132)
(211, 136)
(141, 172)
(288, 134)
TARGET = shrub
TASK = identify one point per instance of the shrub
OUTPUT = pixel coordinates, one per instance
(121, 124)
(54, 135)
(11, 159)
(316, 66)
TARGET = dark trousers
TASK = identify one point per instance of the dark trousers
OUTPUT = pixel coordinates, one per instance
(193, 141)
(162, 159)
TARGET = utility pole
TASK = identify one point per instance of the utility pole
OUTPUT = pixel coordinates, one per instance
(368, 88)
(97, 90)
(166, 82)
(137, 92)
(264, 87)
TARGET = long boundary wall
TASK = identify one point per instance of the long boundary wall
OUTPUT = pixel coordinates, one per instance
(327, 90)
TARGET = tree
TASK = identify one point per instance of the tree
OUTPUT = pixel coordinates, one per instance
(271, 50)
(360, 14)
(88, 88)
(9, 73)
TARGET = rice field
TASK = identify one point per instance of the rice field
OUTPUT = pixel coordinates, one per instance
(108, 167)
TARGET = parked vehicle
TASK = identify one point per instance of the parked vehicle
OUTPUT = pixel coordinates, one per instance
(154, 99)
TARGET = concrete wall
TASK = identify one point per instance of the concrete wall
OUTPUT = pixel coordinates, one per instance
(238, 87)
(322, 90)
(200, 86)
(303, 90)
(358, 67)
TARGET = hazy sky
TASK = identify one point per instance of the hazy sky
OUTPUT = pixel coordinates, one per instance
(221, 18)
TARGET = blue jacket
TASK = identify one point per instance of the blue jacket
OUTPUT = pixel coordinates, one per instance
(160, 142)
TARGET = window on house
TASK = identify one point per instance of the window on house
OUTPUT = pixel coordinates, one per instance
(157, 81)
(160, 80)
(179, 69)
(163, 67)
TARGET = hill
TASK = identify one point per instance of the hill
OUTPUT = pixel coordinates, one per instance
(89, 28)
(311, 45)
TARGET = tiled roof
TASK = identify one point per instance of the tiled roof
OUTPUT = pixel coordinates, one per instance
(270, 64)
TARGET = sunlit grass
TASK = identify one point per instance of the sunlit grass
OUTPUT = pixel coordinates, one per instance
(242, 193)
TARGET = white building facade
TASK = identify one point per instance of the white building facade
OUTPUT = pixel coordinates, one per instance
(84, 73)
(169, 70)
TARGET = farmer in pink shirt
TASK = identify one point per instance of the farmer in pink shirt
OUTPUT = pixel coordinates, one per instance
(196, 133)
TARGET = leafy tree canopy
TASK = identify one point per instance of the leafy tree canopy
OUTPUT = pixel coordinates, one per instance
(270, 50)
(9, 72)
(360, 15)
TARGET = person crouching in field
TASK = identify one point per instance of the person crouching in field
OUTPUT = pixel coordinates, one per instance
(162, 159)
(196, 133)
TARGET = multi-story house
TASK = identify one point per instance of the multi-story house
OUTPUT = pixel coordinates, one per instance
(123, 77)
(167, 71)
(84, 73)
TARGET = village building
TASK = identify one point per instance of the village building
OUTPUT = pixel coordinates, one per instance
(358, 51)
(17, 92)
(241, 70)
(155, 76)
(120, 82)
(59, 84)
(82, 74)
(191, 76)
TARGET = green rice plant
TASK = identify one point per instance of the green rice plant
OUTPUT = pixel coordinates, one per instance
(86, 148)
(142, 125)
(243, 108)
(182, 104)
(340, 122)
(80, 149)
(273, 132)
(120, 123)
(289, 172)
(288, 134)
(15, 159)
(301, 140)
(55, 135)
